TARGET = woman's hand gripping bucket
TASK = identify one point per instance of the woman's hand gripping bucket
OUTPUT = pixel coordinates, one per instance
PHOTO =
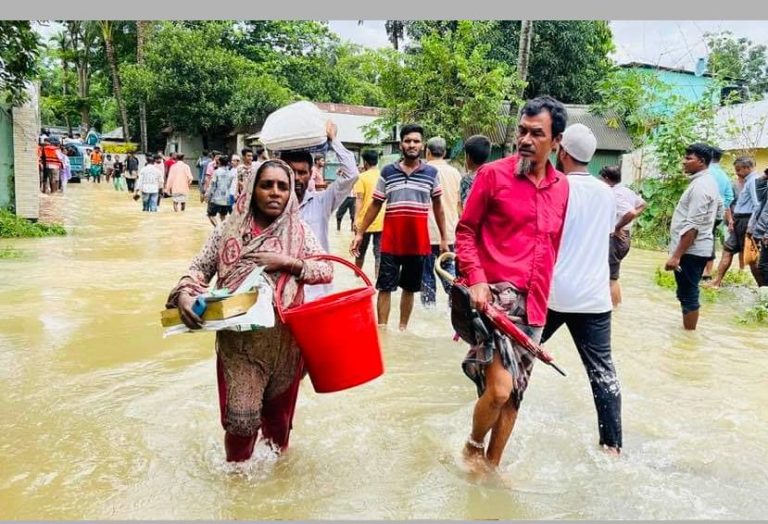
(470, 325)
(337, 334)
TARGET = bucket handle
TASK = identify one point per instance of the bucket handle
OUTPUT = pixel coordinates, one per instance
(285, 276)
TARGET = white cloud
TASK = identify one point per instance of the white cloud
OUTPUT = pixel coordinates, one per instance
(370, 33)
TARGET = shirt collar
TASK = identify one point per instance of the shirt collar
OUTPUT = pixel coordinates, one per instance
(699, 174)
(422, 165)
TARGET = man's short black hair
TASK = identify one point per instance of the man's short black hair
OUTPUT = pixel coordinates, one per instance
(258, 151)
(246, 150)
(554, 107)
(717, 154)
(223, 160)
(703, 151)
(205, 152)
(411, 128)
(297, 157)
(612, 173)
(478, 149)
(370, 157)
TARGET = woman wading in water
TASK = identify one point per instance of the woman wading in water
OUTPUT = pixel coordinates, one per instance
(258, 372)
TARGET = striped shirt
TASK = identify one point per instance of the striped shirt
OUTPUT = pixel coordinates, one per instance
(408, 199)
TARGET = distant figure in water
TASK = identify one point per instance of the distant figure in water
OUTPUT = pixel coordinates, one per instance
(629, 205)
(258, 372)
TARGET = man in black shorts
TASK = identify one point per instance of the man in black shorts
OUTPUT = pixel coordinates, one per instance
(409, 186)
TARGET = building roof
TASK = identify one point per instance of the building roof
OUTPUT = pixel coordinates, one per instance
(610, 132)
(743, 126)
(655, 67)
(609, 137)
(347, 109)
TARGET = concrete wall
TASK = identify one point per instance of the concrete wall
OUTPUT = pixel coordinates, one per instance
(760, 156)
(26, 126)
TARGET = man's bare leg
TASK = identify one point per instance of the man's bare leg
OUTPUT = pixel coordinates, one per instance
(757, 274)
(615, 293)
(488, 412)
(501, 432)
(406, 307)
(213, 221)
(183, 206)
(690, 320)
(725, 263)
(175, 207)
(383, 305)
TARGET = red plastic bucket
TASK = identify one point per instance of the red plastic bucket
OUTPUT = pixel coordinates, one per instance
(337, 334)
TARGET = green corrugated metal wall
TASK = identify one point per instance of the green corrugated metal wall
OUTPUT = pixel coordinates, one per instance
(6, 157)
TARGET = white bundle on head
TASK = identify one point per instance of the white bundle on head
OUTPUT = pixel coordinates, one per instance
(300, 125)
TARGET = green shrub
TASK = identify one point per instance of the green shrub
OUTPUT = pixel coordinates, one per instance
(119, 149)
(12, 226)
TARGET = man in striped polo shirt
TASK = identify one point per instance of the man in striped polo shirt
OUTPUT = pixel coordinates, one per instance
(409, 187)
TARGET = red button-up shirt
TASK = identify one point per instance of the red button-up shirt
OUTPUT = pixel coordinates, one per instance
(510, 231)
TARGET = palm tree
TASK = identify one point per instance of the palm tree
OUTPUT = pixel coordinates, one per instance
(395, 32)
(61, 41)
(523, 57)
(141, 35)
(82, 40)
(107, 27)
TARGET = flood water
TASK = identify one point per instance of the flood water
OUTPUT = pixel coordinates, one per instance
(102, 418)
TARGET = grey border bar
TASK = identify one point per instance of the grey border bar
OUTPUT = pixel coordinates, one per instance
(403, 9)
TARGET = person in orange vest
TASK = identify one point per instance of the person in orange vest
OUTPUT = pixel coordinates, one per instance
(50, 168)
(97, 164)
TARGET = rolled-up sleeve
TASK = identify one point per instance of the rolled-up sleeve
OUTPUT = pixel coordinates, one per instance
(342, 186)
(468, 229)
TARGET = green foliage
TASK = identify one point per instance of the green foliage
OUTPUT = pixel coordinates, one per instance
(666, 279)
(758, 313)
(739, 279)
(449, 86)
(738, 59)
(19, 52)
(662, 195)
(9, 253)
(12, 226)
(255, 97)
(662, 124)
(195, 84)
(567, 56)
(636, 97)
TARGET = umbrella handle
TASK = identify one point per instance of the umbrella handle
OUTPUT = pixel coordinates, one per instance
(442, 273)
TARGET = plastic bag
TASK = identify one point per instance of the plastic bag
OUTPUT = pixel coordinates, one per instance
(751, 251)
(260, 315)
(297, 126)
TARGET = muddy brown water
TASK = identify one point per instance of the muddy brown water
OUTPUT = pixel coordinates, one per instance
(100, 417)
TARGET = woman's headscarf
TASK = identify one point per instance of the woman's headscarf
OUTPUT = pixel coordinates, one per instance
(239, 244)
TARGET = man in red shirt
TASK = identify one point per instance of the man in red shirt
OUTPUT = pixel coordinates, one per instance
(506, 243)
(409, 187)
